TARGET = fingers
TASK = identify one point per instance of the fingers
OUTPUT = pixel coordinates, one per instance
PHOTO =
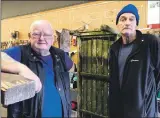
(38, 86)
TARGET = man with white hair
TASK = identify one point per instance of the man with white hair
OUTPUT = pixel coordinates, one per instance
(45, 64)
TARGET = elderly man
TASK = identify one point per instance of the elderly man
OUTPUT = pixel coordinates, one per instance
(134, 69)
(45, 64)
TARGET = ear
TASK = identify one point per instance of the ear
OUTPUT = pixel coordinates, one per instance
(53, 40)
(117, 26)
(29, 35)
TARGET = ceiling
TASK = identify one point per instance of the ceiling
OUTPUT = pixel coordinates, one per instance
(18, 8)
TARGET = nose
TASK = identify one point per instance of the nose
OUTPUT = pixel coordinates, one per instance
(127, 22)
(41, 37)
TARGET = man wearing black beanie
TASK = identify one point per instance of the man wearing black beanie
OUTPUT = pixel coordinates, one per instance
(134, 69)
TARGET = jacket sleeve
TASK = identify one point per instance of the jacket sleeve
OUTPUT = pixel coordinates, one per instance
(155, 54)
(14, 110)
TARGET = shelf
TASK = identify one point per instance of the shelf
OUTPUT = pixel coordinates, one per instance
(90, 76)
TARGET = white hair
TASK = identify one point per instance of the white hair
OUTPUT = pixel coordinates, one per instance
(39, 22)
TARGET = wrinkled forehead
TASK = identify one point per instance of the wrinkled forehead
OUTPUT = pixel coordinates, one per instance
(41, 27)
(127, 15)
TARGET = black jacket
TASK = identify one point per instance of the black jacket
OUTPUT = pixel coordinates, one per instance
(31, 108)
(137, 95)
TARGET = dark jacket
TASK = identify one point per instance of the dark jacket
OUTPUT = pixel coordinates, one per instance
(137, 95)
(31, 108)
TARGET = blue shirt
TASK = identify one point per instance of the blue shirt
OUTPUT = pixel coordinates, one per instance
(51, 103)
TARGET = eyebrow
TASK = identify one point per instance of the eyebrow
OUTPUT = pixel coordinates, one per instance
(46, 33)
(126, 17)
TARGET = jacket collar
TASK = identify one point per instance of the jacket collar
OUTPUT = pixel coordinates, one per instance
(136, 43)
(139, 39)
(35, 57)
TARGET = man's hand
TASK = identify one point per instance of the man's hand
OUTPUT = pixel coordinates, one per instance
(27, 73)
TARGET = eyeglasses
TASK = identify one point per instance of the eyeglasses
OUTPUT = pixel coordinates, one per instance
(38, 35)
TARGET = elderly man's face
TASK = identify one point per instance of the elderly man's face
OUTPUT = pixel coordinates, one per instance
(127, 23)
(41, 36)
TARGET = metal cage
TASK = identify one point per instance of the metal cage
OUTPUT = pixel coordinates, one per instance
(93, 74)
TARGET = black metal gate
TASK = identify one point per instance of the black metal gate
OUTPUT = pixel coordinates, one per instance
(93, 75)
